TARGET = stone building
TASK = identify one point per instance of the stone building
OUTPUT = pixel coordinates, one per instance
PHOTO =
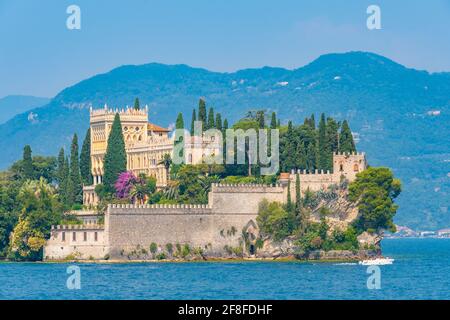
(145, 145)
(227, 221)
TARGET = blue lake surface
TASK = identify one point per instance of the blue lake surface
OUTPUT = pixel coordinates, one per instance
(421, 271)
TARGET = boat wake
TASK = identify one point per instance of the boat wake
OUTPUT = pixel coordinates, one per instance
(376, 262)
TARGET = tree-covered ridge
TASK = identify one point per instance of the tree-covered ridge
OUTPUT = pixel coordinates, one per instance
(373, 193)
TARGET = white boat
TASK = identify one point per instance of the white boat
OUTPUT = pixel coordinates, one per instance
(376, 262)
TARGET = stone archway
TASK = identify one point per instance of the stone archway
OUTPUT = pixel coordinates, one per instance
(250, 234)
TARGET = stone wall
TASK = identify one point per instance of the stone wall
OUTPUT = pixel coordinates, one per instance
(76, 241)
(230, 213)
(132, 228)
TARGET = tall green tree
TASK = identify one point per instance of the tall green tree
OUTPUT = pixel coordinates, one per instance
(211, 122)
(332, 141)
(115, 157)
(63, 186)
(346, 143)
(289, 205)
(225, 124)
(85, 160)
(202, 113)
(137, 104)
(193, 119)
(218, 125)
(260, 118)
(298, 195)
(273, 121)
(289, 148)
(75, 176)
(179, 124)
(322, 146)
(27, 163)
(60, 168)
(166, 161)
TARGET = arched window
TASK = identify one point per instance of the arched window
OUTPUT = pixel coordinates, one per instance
(355, 167)
(341, 167)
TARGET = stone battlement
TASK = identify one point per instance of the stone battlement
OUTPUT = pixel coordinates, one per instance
(77, 227)
(310, 172)
(246, 188)
(349, 154)
(158, 206)
(106, 111)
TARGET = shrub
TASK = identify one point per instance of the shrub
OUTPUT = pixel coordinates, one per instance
(238, 251)
(169, 248)
(161, 256)
(274, 221)
(153, 248)
(185, 251)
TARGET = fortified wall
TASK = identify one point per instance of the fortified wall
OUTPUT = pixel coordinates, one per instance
(229, 218)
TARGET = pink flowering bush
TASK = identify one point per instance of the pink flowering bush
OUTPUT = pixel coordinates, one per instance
(124, 184)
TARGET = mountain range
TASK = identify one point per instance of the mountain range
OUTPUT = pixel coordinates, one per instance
(400, 116)
(16, 104)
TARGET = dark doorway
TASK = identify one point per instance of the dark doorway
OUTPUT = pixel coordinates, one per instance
(252, 249)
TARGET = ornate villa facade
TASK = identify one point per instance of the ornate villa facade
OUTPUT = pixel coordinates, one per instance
(145, 145)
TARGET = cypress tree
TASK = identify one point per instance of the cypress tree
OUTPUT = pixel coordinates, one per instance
(322, 151)
(60, 169)
(346, 143)
(211, 121)
(193, 119)
(289, 200)
(332, 141)
(311, 157)
(225, 124)
(75, 177)
(218, 121)
(298, 195)
(260, 119)
(179, 124)
(278, 123)
(65, 172)
(312, 122)
(27, 163)
(115, 157)
(137, 104)
(202, 113)
(273, 121)
(289, 148)
(85, 160)
(69, 198)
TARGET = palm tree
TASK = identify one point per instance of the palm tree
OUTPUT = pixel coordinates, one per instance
(166, 162)
(172, 191)
(138, 193)
(205, 182)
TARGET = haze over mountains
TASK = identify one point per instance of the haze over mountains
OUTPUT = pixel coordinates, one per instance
(401, 116)
(16, 104)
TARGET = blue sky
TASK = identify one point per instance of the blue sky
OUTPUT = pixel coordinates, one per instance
(40, 56)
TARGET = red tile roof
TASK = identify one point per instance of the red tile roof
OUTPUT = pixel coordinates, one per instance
(154, 127)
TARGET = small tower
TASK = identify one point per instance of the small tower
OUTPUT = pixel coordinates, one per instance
(348, 165)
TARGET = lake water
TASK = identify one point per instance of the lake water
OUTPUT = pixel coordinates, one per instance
(421, 271)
